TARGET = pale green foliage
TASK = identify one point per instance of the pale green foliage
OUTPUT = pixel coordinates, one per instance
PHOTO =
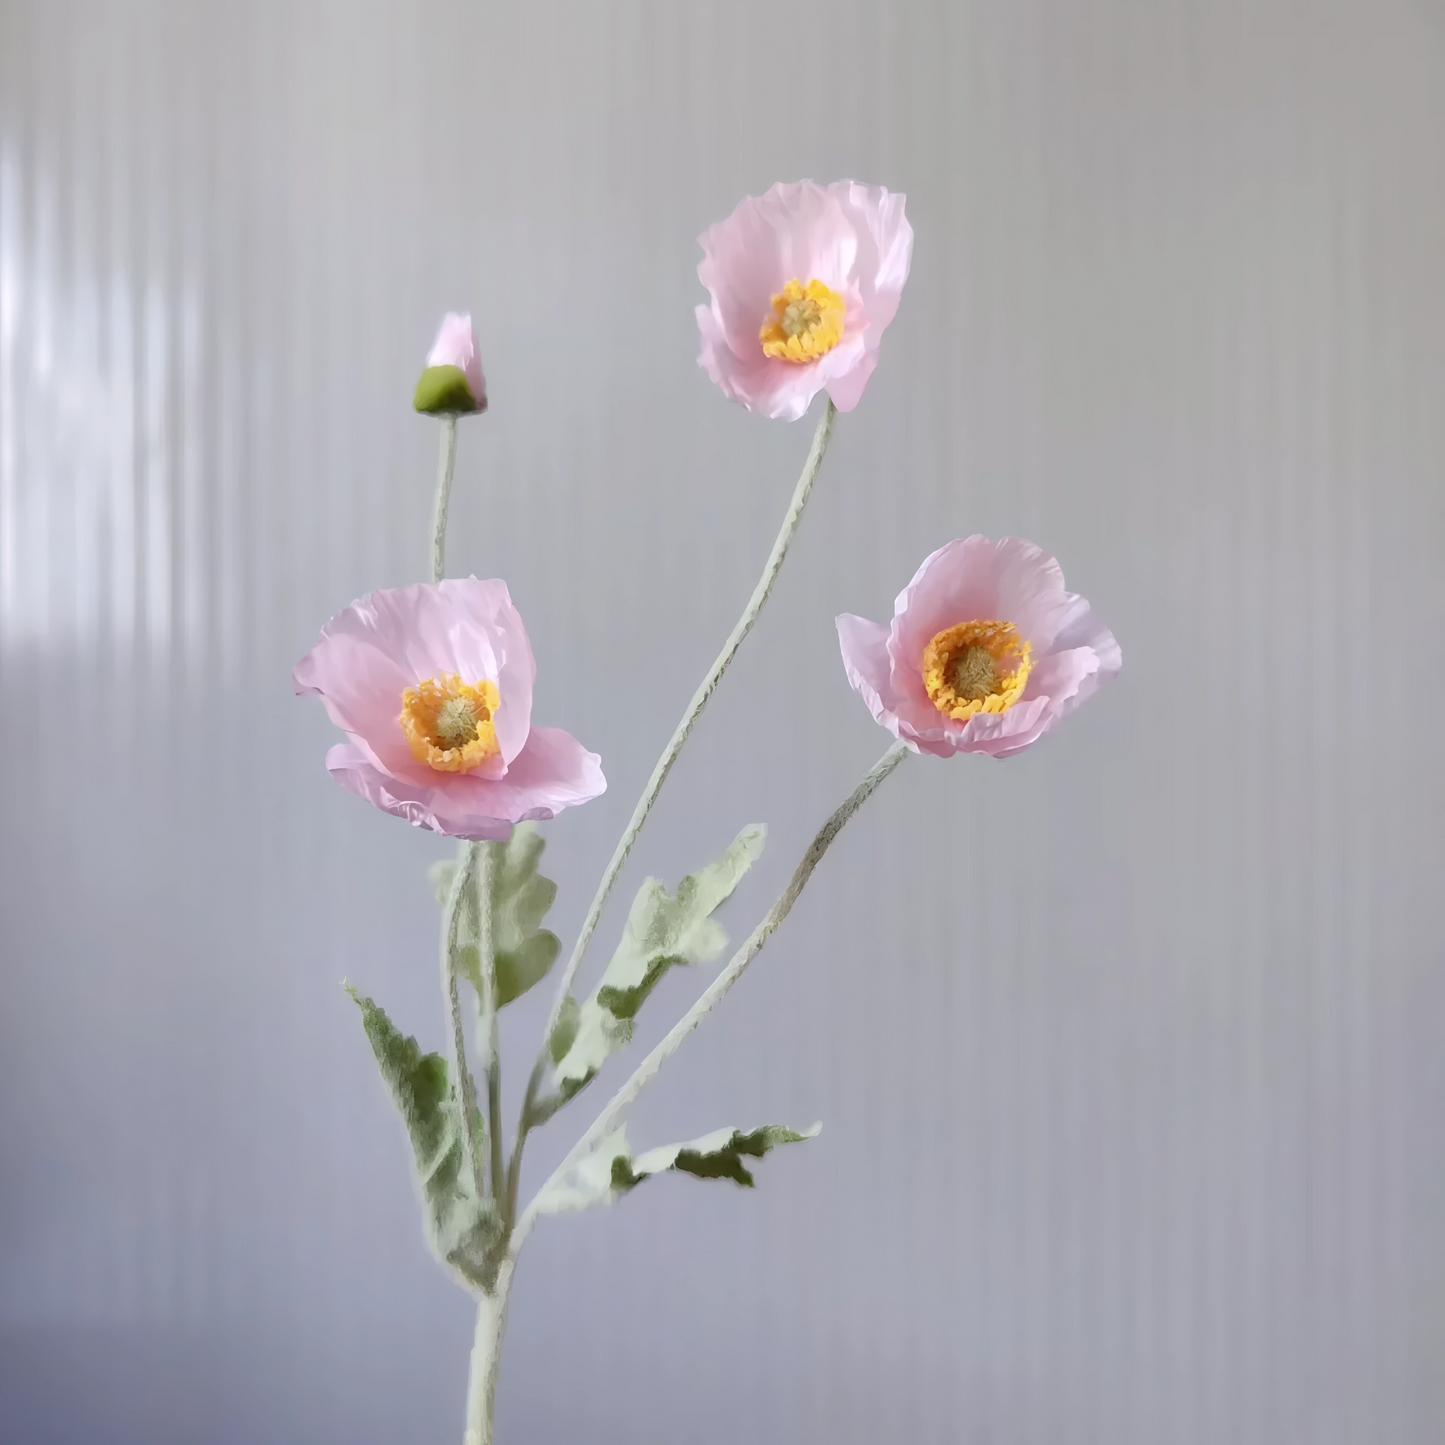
(718, 1155)
(610, 1170)
(566, 1029)
(521, 897)
(662, 930)
(462, 1228)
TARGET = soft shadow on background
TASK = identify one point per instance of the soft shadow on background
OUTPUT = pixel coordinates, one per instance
(1127, 1050)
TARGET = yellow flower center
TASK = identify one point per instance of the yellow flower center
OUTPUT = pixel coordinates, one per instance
(807, 322)
(976, 667)
(448, 722)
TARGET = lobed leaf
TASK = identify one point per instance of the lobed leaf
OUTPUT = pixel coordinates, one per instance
(718, 1155)
(463, 1229)
(662, 931)
(609, 1171)
(521, 896)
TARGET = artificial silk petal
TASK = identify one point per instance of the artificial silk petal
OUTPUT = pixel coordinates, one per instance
(855, 239)
(393, 639)
(554, 771)
(865, 659)
(970, 580)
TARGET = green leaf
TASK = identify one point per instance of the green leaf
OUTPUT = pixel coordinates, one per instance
(462, 1228)
(566, 1030)
(715, 1157)
(609, 1171)
(662, 931)
(521, 896)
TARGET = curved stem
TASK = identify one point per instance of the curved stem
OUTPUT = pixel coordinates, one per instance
(614, 1114)
(461, 1075)
(446, 462)
(694, 711)
(690, 717)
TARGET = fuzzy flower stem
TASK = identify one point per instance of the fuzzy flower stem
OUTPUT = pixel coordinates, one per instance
(524, 1124)
(446, 462)
(487, 1003)
(486, 1358)
(612, 1116)
(684, 729)
(689, 718)
(461, 1076)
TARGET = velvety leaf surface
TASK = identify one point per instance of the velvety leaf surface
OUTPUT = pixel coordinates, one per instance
(462, 1228)
(662, 930)
(521, 896)
(611, 1170)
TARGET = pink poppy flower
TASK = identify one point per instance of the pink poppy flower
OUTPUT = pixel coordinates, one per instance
(803, 280)
(453, 380)
(987, 651)
(434, 685)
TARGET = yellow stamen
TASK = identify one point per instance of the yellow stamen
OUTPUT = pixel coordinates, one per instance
(807, 322)
(448, 723)
(963, 669)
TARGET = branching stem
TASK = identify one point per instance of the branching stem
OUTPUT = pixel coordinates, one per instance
(486, 1358)
(614, 1115)
(744, 625)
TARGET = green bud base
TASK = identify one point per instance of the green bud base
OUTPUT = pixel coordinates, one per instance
(443, 389)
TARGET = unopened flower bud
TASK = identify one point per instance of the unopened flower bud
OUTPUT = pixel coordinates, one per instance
(453, 381)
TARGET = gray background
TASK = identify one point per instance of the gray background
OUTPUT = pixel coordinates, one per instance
(1127, 1050)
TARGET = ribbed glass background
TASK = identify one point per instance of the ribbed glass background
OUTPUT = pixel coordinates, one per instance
(1128, 1050)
